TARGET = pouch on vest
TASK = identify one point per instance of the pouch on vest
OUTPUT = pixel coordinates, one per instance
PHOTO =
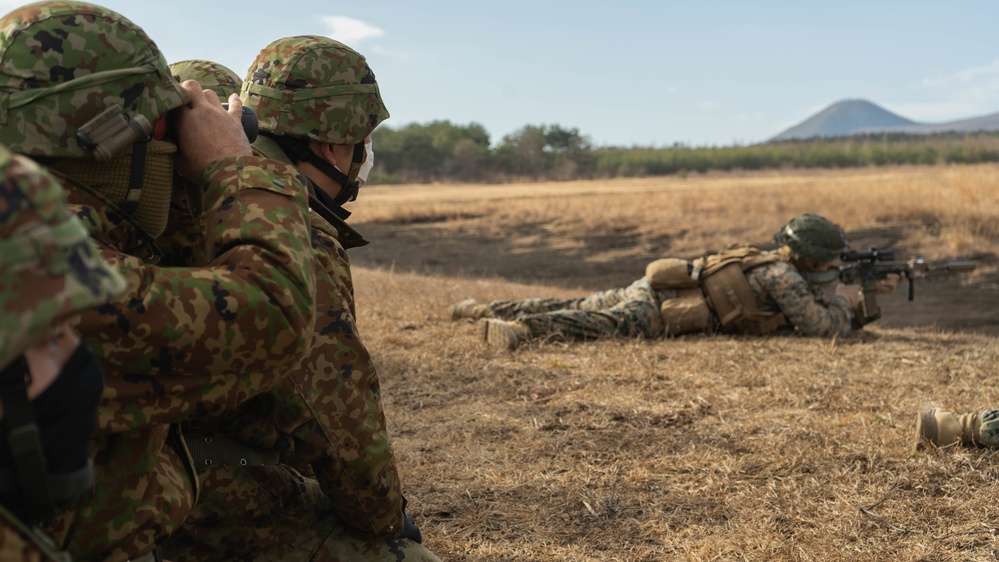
(686, 313)
(670, 273)
(729, 295)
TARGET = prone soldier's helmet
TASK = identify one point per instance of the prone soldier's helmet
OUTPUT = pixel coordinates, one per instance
(79, 80)
(812, 238)
(49, 267)
(210, 75)
(314, 88)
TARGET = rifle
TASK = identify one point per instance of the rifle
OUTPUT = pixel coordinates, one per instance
(865, 268)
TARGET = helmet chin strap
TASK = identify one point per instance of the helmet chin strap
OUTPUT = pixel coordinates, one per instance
(298, 150)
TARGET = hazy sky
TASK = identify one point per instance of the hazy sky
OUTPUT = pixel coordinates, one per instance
(623, 72)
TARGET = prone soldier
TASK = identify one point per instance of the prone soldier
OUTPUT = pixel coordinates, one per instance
(740, 290)
(182, 342)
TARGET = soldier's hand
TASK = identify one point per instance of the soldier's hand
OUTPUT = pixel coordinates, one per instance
(850, 292)
(889, 283)
(410, 530)
(207, 132)
(48, 355)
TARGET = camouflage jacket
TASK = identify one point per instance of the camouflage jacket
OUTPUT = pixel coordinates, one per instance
(180, 343)
(779, 287)
(326, 418)
(186, 342)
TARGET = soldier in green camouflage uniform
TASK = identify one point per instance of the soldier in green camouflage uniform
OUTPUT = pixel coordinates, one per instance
(49, 272)
(789, 284)
(317, 102)
(181, 342)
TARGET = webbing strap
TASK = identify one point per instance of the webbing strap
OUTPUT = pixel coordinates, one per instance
(207, 450)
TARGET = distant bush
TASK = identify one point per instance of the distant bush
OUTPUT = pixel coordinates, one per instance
(443, 152)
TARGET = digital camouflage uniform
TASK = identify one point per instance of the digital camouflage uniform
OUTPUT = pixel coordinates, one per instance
(182, 342)
(633, 311)
(326, 418)
(49, 271)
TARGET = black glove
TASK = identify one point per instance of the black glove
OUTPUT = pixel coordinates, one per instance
(410, 530)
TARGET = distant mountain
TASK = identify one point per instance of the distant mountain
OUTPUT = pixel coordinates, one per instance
(858, 117)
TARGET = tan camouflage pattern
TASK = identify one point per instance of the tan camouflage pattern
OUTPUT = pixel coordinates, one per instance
(779, 287)
(325, 419)
(210, 75)
(187, 342)
(314, 87)
(284, 516)
(102, 58)
(49, 268)
(633, 311)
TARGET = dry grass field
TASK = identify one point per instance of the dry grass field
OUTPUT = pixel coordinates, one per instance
(696, 448)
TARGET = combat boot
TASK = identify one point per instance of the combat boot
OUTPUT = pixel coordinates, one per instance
(471, 309)
(504, 334)
(941, 428)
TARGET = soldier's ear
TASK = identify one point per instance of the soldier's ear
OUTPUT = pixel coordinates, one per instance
(324, 150)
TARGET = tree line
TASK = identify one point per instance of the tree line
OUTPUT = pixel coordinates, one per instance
(441, 151)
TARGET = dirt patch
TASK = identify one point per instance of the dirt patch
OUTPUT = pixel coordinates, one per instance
(534, 254)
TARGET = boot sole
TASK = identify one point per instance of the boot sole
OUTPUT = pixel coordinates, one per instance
(926, 425)
(497, 336)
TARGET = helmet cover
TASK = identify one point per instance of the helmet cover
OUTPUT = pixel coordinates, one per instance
(315, 88)
(64, 63)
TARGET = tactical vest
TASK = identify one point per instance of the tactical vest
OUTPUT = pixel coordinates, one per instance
(713, 284)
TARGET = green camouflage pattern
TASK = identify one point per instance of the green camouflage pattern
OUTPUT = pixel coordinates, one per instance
(314, 87)
(188, 342)
(989, 430)
(813, 238)
(144, 487)
(197, 340)
(633, 311)
(63, 63)
(49, 268)
(210, 75)
(285, 516)
(325, 419)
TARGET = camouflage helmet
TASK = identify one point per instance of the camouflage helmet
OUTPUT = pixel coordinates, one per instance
(315, 88)
(813, 238)
(49, 268)
(210, 75)
(63, 64)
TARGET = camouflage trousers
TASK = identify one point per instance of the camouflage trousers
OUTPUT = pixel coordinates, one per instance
(273, 513)
(143, 489)
(989, 431)
(630, 311)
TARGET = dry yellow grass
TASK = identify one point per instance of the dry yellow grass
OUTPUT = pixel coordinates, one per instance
(698, 448)
(956, 207)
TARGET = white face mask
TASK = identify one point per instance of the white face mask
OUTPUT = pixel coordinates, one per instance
(369, 162)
